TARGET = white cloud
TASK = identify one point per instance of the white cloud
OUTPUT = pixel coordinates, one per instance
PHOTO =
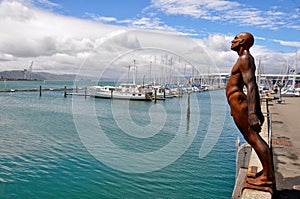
(102, 19)
(14, 10)
(150, 23)
(229, 11)
(288, 43)
(145, 23)
(48, 3)
(6, 57)
(29, 33)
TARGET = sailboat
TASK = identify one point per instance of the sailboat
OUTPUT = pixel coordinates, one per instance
(289, 90)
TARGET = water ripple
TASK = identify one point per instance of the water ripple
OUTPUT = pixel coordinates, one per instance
(41, 155)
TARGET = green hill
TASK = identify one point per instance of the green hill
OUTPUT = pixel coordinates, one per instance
(19, 75)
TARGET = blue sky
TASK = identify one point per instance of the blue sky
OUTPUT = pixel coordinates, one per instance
(276, 22)
(60, 35)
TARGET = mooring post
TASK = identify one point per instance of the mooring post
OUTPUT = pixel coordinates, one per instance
(85, 91)
(76, 88)
(65, 91)
(155, 95)
(40, 91)
(189, 106)
(179, 93)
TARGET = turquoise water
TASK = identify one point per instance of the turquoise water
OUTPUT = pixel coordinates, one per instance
(42, 154)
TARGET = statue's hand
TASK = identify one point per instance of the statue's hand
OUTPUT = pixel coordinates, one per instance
(254, 122)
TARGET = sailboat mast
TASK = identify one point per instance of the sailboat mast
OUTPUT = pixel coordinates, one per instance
(134, 73)
(295, 72)
(259, 73)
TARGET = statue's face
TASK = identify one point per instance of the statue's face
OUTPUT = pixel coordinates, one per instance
(235, 43)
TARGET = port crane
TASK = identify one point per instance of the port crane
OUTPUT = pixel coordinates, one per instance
(27, 72)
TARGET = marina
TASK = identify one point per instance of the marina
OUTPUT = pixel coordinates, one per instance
(269, 84)
(149, 99)
(66, 158)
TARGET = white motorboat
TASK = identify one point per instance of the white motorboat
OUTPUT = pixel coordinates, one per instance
(124, 91)
(290, 93)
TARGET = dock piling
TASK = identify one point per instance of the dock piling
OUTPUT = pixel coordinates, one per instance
(155, 95)
(189, 106)
(65, 91)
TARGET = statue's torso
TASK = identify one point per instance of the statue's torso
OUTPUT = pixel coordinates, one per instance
(235, 82)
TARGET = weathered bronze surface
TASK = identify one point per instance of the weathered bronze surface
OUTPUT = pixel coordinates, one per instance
(245, 108)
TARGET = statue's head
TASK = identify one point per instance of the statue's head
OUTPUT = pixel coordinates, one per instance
(243, 39)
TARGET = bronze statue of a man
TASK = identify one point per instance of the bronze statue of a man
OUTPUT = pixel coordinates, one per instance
(245, 109)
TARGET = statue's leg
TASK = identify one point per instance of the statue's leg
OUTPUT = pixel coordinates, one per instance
(239, 112)
(266, 177)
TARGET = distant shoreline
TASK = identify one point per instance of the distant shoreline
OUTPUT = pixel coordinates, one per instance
(13, 79)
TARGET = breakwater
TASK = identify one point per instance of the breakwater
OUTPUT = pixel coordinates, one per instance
(36, 89)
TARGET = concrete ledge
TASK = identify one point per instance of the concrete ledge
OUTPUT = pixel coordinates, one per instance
(237, 192)
(251, 194)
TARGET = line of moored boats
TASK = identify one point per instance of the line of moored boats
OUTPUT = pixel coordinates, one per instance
(131, 91)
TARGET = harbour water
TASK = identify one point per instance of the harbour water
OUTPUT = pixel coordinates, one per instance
(42, 154)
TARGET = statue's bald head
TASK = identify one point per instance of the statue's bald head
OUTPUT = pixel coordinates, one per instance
(248, 38)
